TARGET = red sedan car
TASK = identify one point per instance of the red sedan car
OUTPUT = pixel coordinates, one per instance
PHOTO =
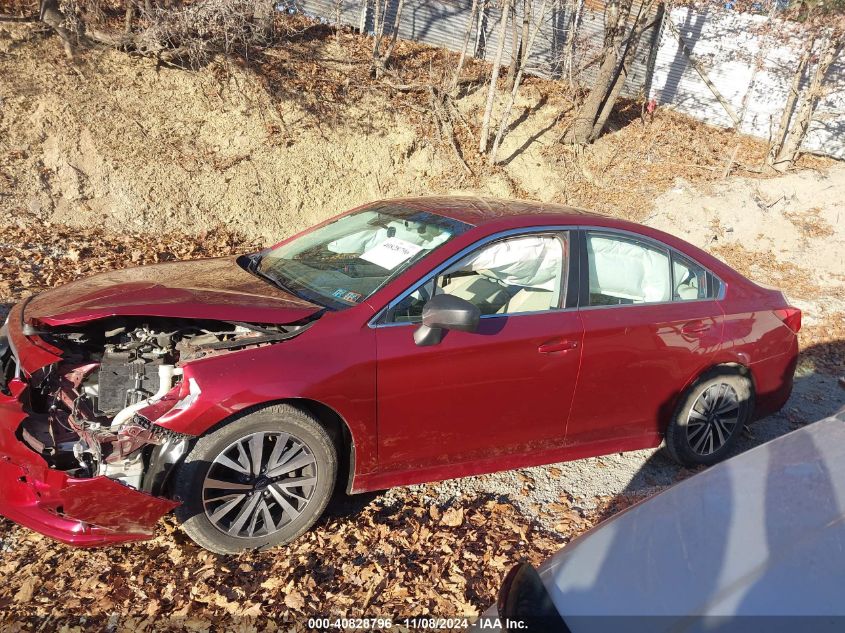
(402, 342)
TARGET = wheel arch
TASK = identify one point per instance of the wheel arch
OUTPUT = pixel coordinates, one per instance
(334, 423)
(734, 364)
(339, 430)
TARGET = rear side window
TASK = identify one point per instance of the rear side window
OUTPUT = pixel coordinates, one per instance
(626, 271)
(689, 280)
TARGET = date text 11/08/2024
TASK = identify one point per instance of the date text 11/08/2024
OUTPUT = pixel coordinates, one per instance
(423, 623)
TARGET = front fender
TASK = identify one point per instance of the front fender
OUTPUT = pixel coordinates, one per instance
(330, 365)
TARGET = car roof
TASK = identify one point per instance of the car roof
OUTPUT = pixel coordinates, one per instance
(493, 214)
(478, 210)
(758, 534)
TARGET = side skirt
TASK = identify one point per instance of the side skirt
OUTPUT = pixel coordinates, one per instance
(381, 481)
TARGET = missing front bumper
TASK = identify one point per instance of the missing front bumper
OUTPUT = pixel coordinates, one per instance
(81, 512)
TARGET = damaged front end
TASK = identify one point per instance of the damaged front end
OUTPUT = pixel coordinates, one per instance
(82, 458)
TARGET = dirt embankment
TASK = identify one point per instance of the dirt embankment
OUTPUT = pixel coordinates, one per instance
(115, 141)
(130, 147)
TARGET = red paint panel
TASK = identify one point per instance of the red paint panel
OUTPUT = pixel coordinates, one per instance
(203, 289)
(476, 395)
(636, 361)
(333, 363)
(32, 352)
(105, 503)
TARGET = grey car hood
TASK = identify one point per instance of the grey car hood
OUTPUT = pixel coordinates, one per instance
(762, 534)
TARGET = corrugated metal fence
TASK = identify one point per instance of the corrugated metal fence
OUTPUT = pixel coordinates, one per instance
(744, 58)
(751, 61)
(444, 23)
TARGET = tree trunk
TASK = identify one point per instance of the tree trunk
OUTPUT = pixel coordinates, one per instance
(515, 47)
(377, 30)
(628, 54)
(129, 17)
(527, 8)
(571, 34)
(394, 35)
(262, 15)
(618, 53)
(52, 16)
(470, 24)
(582, 127)
(494, 77)
(788, 153)
(503, 124)
(791, 101)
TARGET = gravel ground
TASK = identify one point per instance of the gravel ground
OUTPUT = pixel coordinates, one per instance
(580, 484)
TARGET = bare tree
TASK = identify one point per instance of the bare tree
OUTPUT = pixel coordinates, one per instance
(378, 28)
(796, 119)
(494, 77)
(620, 46)
(574, 8)
(471, 23)
(519, 39)
(381, 60)
(529, 44)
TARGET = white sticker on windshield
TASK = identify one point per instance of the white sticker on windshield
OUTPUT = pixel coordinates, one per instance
(391, 252)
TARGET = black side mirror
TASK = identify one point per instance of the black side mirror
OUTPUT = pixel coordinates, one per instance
(446, 312)
(524, 598)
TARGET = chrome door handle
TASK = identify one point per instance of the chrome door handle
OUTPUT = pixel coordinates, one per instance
(557, 346)
(695, 327)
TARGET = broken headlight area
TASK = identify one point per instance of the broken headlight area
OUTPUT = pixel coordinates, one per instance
(94, 412)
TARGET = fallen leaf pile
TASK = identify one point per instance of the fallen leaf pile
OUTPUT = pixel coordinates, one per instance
(37, 256)
(364, 558)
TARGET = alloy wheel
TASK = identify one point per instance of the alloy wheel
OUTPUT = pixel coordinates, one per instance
(713, 418)
(259, 484)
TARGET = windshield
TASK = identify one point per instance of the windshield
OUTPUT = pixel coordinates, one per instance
(344, 262)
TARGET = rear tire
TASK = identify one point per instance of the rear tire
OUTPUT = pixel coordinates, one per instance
(256, 482)
(710, 417)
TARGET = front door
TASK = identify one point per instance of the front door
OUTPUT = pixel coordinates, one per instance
(503, 390)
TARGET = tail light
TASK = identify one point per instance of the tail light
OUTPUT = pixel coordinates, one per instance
(791, 317)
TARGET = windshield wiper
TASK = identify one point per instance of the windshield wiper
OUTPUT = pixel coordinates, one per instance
(252, 265)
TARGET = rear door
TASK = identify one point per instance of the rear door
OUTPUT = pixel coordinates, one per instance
(651, 324)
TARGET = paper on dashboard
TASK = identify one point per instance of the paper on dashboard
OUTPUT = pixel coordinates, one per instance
(391, 252)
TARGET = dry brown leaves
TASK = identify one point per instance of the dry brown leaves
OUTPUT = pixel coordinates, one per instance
(823, 346)
(39, 256)
(409, 559)
(763, 267)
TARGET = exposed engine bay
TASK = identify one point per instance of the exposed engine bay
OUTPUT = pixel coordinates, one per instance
(94, 412)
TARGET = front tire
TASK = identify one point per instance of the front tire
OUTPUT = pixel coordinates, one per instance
(256, 482)
(710, 418)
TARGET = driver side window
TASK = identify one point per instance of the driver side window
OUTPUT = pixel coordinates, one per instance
(516, 275)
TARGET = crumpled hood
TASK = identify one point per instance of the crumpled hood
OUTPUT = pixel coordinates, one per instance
(216, 289)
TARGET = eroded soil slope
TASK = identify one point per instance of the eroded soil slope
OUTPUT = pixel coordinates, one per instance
(303, 133)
